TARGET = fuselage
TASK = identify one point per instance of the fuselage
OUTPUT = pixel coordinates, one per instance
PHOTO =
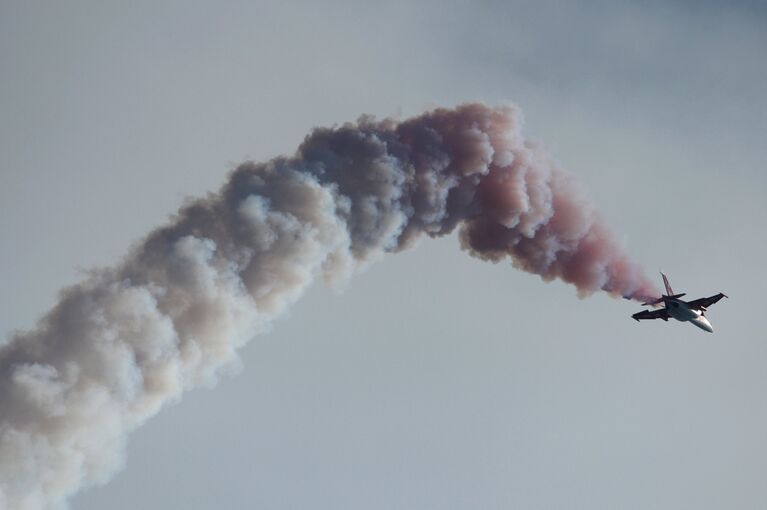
(679, 310)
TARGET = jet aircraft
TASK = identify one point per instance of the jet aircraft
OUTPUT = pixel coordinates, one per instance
(686, 311)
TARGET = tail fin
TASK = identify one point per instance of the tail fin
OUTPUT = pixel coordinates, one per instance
(669, 290)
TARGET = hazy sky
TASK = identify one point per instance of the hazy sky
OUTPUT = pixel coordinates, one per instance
(435, 380)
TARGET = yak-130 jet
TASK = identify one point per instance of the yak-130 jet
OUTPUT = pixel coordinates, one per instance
(686, 311)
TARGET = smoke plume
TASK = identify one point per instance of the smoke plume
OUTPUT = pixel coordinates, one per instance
(129, 339)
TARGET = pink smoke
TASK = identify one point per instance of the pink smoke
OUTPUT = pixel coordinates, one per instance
(119, 346)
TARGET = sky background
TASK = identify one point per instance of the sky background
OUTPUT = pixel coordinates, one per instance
(435, 380)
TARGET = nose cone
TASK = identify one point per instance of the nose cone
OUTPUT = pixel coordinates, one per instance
(703, 324)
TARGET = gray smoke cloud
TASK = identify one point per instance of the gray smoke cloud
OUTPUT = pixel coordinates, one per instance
(130, 339)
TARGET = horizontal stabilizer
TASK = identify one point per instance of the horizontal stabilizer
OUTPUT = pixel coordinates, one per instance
(660, 299)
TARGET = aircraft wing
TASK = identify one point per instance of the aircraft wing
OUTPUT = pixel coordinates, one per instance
(660, 313)
(705, 302)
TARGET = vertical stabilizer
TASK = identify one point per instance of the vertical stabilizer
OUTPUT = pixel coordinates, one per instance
(669, 290)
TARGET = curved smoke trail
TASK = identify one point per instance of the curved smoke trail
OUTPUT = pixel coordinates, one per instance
(129, 339)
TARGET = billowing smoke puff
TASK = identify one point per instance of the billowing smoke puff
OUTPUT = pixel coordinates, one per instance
(129, 339)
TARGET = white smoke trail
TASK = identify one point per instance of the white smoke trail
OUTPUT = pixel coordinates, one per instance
(128, 340)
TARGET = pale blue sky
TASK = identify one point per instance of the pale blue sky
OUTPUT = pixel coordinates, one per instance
(435, 380)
